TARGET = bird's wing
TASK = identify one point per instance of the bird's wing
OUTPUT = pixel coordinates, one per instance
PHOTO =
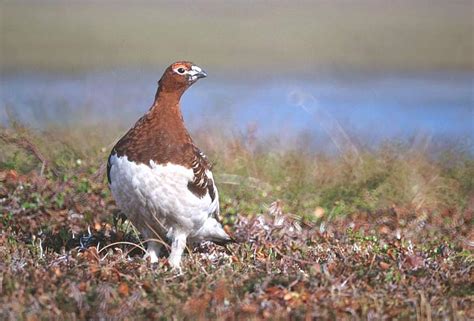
(109, 166)
(202, 182)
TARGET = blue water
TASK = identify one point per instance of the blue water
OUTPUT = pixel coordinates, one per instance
(367, 108)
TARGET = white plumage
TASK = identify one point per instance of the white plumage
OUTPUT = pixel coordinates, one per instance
(157, 200)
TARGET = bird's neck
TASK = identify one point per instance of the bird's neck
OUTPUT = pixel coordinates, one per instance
(172, 92)
(166, 114)
(167, 102)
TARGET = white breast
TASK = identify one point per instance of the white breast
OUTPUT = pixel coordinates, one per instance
(156, 198)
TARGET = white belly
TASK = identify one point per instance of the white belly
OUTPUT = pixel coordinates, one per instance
(156, 198)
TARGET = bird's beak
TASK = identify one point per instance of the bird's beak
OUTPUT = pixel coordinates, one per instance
(201, 74)
(196, 73)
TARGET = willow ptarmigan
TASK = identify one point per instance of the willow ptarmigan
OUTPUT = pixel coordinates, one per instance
(160, 179)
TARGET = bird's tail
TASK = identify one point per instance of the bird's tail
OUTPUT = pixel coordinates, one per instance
(212, 231)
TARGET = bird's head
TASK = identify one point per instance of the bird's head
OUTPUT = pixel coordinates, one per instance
(180, 76)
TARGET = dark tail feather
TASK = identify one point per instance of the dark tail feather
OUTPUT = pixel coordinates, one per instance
(223, 242)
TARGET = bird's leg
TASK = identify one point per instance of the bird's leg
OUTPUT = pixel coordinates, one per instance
(177, 247)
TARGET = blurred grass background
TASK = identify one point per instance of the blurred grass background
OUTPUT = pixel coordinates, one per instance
(251, 173)
(262, 37)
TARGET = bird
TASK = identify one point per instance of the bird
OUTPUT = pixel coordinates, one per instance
(161, 180)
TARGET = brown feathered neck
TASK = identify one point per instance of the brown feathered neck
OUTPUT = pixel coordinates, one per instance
(167, 103)
(160, 135)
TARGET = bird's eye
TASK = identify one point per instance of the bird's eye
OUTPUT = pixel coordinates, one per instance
(181, 70)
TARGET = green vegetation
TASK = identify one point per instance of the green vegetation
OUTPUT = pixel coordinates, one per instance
(386, 234)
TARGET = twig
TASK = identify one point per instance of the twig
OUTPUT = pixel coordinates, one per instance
(124, 243)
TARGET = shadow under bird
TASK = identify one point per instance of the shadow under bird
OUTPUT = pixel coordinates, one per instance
(160, 179)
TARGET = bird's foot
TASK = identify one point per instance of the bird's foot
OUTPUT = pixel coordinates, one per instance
(177, 270)
(153, 252)
(152, 255)
(175, 262)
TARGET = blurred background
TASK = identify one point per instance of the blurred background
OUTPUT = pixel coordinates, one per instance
(322, 74)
